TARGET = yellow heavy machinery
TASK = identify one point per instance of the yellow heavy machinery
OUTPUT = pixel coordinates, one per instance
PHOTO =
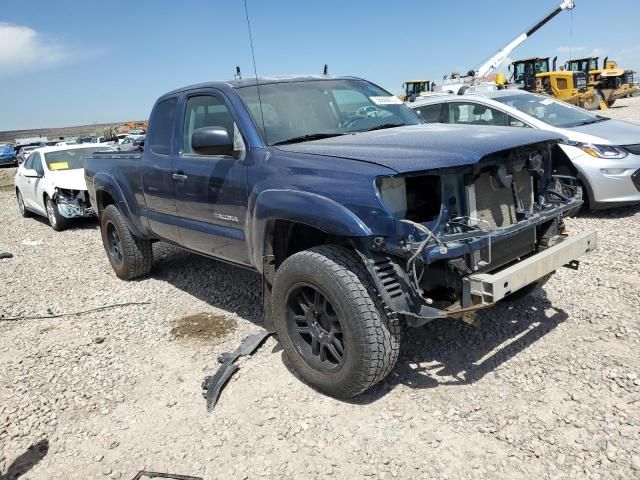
(534, 75)
(414, 88)
(610, 82)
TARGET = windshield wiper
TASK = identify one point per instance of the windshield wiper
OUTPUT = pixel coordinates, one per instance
(308, 137)
(595, 120)
(383, 126)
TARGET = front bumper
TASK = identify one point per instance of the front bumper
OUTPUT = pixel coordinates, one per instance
(606, 190)
(68, 210)
(488, 288)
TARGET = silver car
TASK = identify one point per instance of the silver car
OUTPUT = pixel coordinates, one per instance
(604, 153)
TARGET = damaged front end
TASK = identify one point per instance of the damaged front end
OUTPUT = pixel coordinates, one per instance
(470, 236)
(73, 203)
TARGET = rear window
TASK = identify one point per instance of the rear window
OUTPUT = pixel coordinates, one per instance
(162, 121)
(68, 159)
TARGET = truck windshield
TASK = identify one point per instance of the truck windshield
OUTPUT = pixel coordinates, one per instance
(69, 159)
(306, 110)
(552, 112)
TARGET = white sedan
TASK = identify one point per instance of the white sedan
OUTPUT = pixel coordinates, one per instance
(50, 182)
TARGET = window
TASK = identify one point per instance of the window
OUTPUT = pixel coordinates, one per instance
(476, 114)
(28, 164)
(548, 110)
(430, 113)
(514, 122)
(206, 111)
(37, 163)
(162, 121)
(290, 111)
(69, 159)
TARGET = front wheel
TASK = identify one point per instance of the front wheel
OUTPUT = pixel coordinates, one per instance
(57, 221)
(337, 338)
(130, 257)
(592, 102)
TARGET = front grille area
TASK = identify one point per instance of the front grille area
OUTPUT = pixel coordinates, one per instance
(491, 202)
(633, 149)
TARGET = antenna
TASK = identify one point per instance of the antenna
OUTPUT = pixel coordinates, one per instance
(255, 69)
(326, 69)
(238, 75)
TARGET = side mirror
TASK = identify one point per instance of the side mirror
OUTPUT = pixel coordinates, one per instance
(32, 174)
(211, 141)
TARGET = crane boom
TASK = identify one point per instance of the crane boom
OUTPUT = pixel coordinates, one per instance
(495, 61)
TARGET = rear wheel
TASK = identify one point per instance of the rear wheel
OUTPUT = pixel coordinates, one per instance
(57, 221)
(334, 334)
(130, 257)
(23, 210)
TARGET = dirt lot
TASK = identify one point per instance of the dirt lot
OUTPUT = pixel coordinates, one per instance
(547, 387)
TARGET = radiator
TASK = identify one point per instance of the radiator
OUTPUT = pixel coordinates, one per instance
(494, 204)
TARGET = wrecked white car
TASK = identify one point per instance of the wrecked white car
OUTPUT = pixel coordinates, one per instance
(50, 182)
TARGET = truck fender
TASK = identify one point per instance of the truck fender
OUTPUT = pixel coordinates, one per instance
(107, 184)
(301, 207)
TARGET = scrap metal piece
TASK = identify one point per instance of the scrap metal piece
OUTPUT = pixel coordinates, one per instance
(143, 473)
(213, 384)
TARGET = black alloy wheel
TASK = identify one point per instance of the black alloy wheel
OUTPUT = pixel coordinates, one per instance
(315, 328)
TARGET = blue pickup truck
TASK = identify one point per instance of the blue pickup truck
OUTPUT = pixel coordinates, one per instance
(357, 215)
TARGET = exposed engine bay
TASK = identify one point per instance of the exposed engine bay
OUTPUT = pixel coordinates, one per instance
(73, 203)
(464, 222)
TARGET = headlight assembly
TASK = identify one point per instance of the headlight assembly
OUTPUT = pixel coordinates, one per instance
(600, 151)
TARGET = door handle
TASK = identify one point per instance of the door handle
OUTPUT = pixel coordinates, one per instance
(179, 177)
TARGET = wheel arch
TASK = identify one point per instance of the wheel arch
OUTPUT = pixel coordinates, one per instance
(279, 214)
(109, 192)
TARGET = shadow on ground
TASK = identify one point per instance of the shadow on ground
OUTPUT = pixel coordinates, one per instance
(451, 352)
(26, 461)
(619, 212)
(444, 352)
(220, 285)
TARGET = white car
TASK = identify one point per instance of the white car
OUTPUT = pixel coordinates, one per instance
(604, 153)
(50, 182)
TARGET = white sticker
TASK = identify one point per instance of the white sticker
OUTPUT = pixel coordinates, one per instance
(548, 101)
(386, 100)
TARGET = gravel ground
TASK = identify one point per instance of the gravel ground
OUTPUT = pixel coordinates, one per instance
(546, 387)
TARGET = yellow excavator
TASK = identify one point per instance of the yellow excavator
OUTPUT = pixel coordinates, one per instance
(610, 82)
(414, 88)
(534, 75)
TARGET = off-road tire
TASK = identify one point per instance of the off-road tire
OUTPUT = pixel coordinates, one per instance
(593, 102)
(21, 206)
(529, 289)
(371, 337)
(137, 254)
(57, 221)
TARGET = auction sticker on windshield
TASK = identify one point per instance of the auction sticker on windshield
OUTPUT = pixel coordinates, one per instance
(386, 100)
(59, 166)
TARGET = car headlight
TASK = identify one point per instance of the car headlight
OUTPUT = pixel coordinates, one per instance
(600, 151)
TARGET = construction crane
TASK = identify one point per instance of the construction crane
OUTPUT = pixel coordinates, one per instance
(478, 77)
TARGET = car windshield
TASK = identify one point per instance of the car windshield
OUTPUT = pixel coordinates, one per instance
(550, 111)
(69, 159)
(307, 110)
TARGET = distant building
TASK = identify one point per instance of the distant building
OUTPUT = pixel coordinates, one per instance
(20, 141)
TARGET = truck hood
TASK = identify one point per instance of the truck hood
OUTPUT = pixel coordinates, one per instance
(68, 179)
(423, 147)
(610, 132)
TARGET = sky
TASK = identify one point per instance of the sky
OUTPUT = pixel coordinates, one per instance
(66, 63)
